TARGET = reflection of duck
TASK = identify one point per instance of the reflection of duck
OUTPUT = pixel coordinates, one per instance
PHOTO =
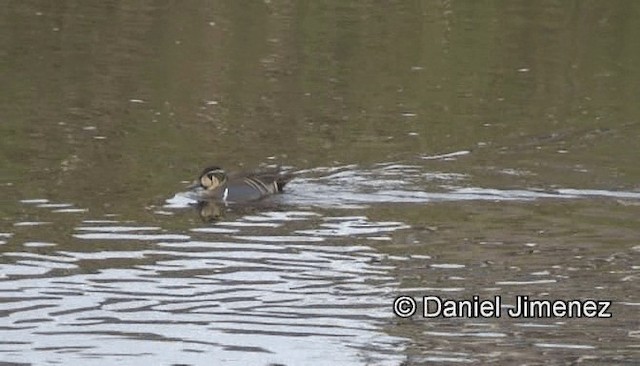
(209, 211)
(215, 184)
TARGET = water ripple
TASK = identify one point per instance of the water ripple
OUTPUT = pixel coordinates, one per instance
(257, 289)
(145, 237)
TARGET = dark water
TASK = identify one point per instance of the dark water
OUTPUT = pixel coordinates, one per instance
(440, 149)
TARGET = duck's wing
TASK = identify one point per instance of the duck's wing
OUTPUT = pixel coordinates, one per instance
(264, 180)
(255, 186)
(273, 182)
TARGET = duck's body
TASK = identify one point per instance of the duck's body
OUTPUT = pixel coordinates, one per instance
(215, 184)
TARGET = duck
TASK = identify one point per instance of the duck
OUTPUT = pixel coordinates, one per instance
(215, 184)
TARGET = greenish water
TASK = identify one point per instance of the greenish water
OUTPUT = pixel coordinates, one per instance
(440, 148)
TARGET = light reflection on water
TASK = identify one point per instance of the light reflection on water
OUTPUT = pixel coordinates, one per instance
(286, 283)
(107, 101)
(349, 187)
(246, 296)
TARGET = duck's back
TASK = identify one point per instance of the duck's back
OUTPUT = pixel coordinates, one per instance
(255, 187)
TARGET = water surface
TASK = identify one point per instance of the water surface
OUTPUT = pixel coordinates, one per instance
(445, 149)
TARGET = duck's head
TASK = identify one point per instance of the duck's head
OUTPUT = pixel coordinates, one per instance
(211, 178)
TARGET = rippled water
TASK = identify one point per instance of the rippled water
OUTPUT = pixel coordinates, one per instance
(299, 278)
(438, 149)
(351, 187)
(284, 287)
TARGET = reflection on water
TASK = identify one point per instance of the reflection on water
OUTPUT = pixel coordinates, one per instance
(441, 148)
(247, 295)
(293, 279)
(393, 183)
(353, 187)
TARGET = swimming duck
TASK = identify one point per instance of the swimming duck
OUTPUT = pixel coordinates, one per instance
(215, 184)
